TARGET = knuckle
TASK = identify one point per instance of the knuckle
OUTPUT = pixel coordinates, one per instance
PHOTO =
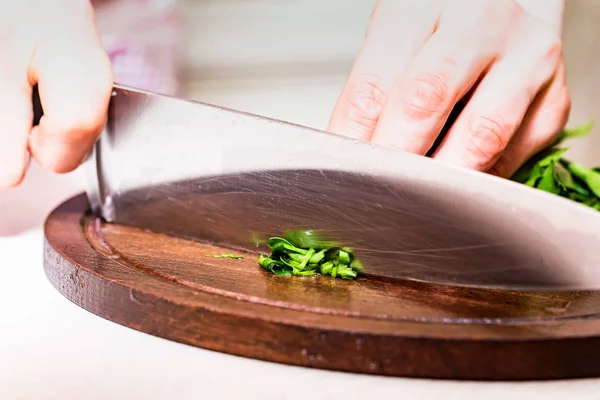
(80, 113)
(562, 109)
(550, 45)
(567, 103)
(506, 164)
(85, 114)
(423, 96)
(499, 169)
(89, 123)
(491, 17)
(500, 9)
(79, 128)
(487, 140)
(366, 98)
(550, 123)
(554, 50)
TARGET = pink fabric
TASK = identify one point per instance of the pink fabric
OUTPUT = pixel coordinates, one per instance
(143, 40)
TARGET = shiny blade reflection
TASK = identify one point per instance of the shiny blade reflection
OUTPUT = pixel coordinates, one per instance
(206, 173)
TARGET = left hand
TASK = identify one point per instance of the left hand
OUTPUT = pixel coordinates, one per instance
(419, 59)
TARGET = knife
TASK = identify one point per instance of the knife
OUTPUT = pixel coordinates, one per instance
(208, 173)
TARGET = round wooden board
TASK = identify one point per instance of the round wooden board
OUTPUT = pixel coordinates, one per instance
(171, 288)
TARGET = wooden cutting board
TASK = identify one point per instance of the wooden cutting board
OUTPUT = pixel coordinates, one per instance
(170, 288)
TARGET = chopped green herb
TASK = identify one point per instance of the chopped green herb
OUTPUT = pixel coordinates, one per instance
(276, 267)
(549, 171)
(226, 255)
(582, 130)
(306, 254)
(587, 175)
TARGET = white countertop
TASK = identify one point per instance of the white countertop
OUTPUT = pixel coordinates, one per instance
(52, 349)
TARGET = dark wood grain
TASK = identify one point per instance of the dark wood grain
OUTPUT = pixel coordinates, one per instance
(169, 287)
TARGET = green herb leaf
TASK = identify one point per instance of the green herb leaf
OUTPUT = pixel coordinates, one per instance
(571, 133)
(326, 268)
(334, 271)
(536, 174)
(547, 183)
(563, 176)
(549, 171)
(588, 175)
(309, 272)
(317, 257)
(274, 266)
(278, 244)
(343, 257)
(552, 157)
(357, 266)
(225, 255)
(345, 272)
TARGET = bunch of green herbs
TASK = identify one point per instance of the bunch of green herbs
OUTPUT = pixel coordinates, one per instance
(549, 171)
(303, 254)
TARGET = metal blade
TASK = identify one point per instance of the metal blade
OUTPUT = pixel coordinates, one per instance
(207, 173)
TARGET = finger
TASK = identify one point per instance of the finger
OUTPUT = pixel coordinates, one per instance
(496, 110)
(543, 122)
(395, 33)
(75, 82)
(17, 113)
(489, 120)
(15, 123)
(442, 72)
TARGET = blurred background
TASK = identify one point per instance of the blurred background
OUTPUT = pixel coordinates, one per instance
(288, 59)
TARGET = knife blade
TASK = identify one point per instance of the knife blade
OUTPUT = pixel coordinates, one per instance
(208, 173)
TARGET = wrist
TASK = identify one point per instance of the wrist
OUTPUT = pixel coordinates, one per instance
(549, 11)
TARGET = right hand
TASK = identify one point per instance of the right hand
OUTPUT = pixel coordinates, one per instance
(421, 60)
(54, 44)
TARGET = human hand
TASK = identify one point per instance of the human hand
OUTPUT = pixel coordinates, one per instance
(503, 58)
(54, 44)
